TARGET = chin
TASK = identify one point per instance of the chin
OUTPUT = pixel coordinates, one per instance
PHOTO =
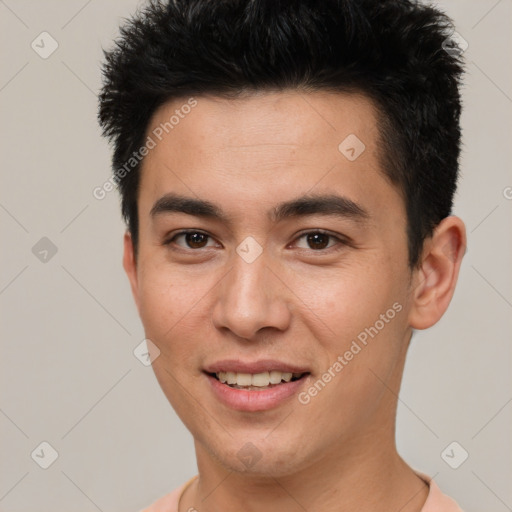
(257, 455)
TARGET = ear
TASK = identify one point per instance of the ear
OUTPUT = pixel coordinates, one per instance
(435, 279)
(130, 266)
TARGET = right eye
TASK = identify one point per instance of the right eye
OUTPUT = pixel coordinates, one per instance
(193, 239)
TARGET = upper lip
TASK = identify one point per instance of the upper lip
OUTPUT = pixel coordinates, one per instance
(263, 365)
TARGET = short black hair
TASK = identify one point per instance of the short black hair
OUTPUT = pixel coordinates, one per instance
(392, 51)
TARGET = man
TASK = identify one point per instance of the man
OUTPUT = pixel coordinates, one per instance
(287, 170)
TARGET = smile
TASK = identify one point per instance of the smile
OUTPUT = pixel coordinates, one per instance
(255, 392)
(256, 381)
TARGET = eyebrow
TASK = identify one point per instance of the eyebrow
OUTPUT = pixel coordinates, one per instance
(311, 204)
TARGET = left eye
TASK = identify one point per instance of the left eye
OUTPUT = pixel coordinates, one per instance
(318, 240)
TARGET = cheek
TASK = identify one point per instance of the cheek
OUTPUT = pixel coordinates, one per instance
(345, 301)
(172, 310)
(361, 318)
(358, 374)
(158, 306)
(164, 300)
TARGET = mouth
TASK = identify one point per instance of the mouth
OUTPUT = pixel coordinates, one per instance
(256, 381)
(255, 392)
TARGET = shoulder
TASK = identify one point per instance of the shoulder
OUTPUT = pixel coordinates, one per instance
(169, 502)
(437, 501)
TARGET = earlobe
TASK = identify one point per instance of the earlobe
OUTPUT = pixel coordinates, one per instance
(130, 266)
(435, 279)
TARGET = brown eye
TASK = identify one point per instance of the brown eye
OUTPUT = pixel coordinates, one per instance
(317, 240)
(193, 240)
(196, 240)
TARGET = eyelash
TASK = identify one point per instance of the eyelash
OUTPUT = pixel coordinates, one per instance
(340, 241)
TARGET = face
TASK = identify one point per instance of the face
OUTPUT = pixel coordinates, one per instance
(298, 264)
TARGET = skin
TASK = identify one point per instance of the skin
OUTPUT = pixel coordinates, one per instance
(295, 302)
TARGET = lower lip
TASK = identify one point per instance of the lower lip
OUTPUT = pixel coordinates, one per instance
(253, 401)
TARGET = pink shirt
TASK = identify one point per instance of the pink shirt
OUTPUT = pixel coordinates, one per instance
(436, 500)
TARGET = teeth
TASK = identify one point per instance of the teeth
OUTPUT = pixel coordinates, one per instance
(244, 379)
(259, 380)
(275, 377)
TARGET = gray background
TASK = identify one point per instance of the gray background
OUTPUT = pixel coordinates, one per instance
(69, 327)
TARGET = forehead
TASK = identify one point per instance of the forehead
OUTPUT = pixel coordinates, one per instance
(287, 118)
(261, 146)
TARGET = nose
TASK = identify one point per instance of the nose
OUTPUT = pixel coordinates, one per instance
(251, 297)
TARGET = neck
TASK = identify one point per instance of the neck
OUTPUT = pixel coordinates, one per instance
(369, 477)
